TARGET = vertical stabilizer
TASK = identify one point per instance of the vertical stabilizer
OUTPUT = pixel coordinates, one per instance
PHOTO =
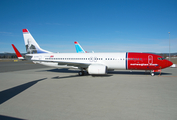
(31, 45)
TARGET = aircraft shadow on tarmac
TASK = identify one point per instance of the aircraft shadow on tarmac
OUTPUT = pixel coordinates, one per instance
(137, 73)
(64, 70)
(71, 76)
(10, 93)
(110, 73)
(3, 117)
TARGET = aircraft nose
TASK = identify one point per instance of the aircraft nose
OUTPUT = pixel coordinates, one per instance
(169, 63)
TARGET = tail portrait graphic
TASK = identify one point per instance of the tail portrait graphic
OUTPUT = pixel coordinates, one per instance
(31, 45)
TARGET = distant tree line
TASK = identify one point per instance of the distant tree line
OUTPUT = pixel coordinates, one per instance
(8, 56)
(163, 55)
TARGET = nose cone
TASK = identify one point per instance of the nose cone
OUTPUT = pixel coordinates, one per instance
(169, 63)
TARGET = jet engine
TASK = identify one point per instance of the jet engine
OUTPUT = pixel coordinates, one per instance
(97, 69)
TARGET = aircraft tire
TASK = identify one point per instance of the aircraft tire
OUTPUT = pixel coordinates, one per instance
(81, 73)
(152, 73)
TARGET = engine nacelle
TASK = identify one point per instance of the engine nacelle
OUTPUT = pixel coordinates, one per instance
(97, 69)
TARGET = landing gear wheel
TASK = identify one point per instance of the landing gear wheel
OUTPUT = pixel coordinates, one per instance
(81, 73)
(152, 73)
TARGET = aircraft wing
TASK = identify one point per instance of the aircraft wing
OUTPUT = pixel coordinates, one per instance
(76, 64)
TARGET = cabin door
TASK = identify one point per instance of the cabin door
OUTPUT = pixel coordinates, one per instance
(150, 59)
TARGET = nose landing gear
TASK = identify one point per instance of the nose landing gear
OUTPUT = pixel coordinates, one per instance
(152, 73)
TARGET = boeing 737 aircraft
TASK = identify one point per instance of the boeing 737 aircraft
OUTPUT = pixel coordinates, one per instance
(95, 63)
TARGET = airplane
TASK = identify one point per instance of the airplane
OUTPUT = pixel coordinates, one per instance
(96, 63)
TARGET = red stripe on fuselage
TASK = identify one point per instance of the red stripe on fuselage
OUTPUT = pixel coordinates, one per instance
(145, 61)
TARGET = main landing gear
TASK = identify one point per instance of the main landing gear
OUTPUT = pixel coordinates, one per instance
(150, 71)
(81, 73)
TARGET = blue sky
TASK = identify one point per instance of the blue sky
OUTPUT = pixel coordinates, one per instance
(98, 25)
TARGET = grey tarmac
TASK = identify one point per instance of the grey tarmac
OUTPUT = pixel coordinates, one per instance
(35, 92)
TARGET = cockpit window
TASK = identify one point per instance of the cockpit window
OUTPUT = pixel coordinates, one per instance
(161, 58)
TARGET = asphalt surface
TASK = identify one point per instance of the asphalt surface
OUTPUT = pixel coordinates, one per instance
(20, 65)
(35, 92)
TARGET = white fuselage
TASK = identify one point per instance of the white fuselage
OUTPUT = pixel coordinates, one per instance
(111, 60)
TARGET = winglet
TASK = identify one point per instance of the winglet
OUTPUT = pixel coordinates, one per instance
(75, 42)
(79, 49)
(17, 52)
